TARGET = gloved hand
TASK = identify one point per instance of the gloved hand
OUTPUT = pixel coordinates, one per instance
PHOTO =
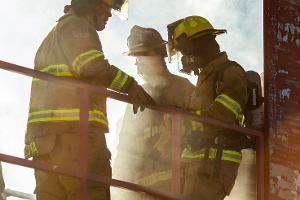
(139, 97)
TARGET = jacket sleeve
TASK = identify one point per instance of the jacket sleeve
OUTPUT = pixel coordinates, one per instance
(231, 99)
(82, 48)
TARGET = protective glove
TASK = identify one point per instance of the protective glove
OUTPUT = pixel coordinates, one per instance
(139, 97)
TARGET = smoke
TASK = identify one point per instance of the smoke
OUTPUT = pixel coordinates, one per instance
(25, 24)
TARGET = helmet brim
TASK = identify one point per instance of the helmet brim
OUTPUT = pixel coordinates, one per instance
(208, 32)
(142, 50)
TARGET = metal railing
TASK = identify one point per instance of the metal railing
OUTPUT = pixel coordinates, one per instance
(18, 194)
(176, 113)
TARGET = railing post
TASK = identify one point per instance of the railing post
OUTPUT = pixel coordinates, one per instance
(83, 142)
(176, 150)
(260, 153)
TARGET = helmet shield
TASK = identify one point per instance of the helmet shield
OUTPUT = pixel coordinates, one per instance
(182, 32)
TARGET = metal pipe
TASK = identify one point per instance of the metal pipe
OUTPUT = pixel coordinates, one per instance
(260, 169)
(124, 98)
(176, 134)
(91, 177)
(21, 195)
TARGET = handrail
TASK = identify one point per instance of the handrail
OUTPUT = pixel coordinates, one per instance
(22, 195)
(100, 179)
(121, 97)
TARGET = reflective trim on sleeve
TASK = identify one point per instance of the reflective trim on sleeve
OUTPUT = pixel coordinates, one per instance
(227, 155)
(119, 81)
(56, 70)
(31, 150)
(85, 58)
(65, 115)
(232, 105)
(155, 178)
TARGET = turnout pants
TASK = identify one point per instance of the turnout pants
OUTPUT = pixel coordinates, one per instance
(52, 186)
(202, 184)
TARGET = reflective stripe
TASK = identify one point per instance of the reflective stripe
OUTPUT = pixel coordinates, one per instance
(188, 154)
(31, 150)
(231, 104)
(197, 126)
(65, 115)
(149, 132)
(155, 178)
(227, 155)
(119, 81)
(85, 58)
(56, 70)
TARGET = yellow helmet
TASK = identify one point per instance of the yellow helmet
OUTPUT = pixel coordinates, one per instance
(191, 27)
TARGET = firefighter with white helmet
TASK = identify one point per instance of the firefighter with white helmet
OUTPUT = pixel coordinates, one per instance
(73, 49)
(213, 154)
(144, 153)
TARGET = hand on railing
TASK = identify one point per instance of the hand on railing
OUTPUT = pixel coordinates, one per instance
(139, 97)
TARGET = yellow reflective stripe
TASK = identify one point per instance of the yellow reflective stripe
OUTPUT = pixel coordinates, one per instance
(85, 58)
(198, 112)
(65, 115)
(197, 126)
(232, 152)
(116, 79)
(54, 111)
(124, 81)
(53, 119)
(231, 159)
(227, 155)
(155, 178)
(187, 154)
(98, 120)
(31, 150)
(56, 70)
(119, 81)
(231, 104)
(102, 120)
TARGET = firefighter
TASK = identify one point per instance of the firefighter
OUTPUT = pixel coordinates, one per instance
(144, 151)
(2, 184)
(213, 154)
(73, 49)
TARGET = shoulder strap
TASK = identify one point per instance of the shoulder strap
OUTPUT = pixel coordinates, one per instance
(220, 74)
(223, 67)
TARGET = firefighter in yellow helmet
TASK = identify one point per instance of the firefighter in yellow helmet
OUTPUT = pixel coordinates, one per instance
(213, 154)
(144, 153)
(73, 49)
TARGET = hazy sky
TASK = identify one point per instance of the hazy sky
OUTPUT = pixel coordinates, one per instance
(24, 24)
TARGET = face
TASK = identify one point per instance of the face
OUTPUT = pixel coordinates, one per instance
(103, 14)
(149, 64)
